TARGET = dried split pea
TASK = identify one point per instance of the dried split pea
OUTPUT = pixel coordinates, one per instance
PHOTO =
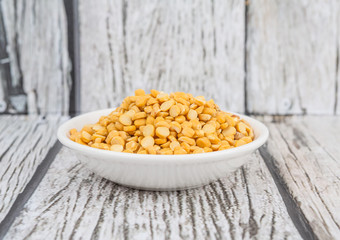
(203, 142)
(125, 119)
(149, 130)
(208, 128)
(192, 114)
(179, 150)
(162, 123)
(174, 111)
(116, 148)
(189, 132)
(147, 141)
(162, 132)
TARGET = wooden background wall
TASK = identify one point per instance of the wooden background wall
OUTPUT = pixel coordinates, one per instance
(256, 56)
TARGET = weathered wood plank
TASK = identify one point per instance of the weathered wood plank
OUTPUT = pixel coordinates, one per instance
(25, 142)
(305, 155)
(4, 68)
(194, 47)
(36, 35)
(337, 87)
(292, 56)
(72, 202)
(3, 104)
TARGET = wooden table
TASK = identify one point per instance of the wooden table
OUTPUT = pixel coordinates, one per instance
(258, 57)
(290, 189)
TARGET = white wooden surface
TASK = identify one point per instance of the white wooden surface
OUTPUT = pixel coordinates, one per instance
(305, 152)
(291, 48)
(288, 53)
(292, 56)
(195, 47)
(25, 142)
(72, 202)
(36, 33)
(337, 87)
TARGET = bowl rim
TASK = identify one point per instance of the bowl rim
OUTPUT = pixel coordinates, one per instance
(183, 158)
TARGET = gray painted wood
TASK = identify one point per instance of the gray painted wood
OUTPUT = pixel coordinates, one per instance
(195, 47)
(292, 54)
(337, 87)
(25, 142)
(71, 202)
(305, 154)
(3, 103)
(4, 65)
(291, 64)
(36, 35)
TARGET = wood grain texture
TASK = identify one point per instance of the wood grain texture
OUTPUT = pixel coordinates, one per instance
(36, 35)
(306, 156)
(292, 56)
(72, 202)
(195, 47)
(3, 104)
(24, 143)
(337, 87)
(4, 66)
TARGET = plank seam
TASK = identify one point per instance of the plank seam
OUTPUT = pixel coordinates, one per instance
(4, 62)
(73, 37)
(246, 111)
(298, 218)
(30, 188)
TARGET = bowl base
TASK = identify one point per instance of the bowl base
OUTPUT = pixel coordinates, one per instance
(161, 189)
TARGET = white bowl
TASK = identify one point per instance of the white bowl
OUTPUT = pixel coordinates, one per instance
(160, 172)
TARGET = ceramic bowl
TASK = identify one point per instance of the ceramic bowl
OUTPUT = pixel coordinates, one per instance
(160, 172)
